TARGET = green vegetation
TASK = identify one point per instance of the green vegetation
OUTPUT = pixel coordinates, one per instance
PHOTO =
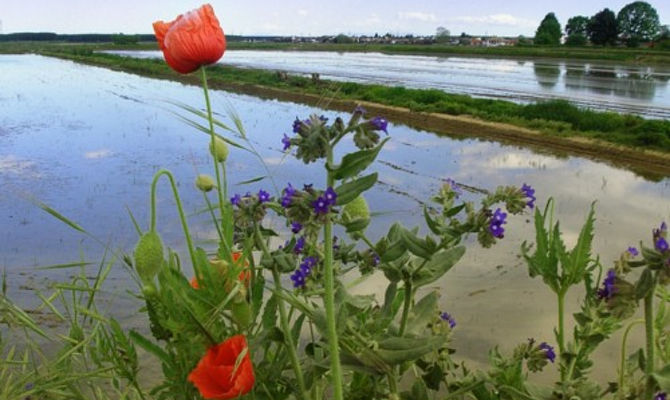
(638, 22)
(553, 117)
(549, 31)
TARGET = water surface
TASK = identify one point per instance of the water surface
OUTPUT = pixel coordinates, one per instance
(88, 140)
(641, 90)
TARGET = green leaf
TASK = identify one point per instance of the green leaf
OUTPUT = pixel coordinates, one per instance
(416, 245)
(353, 163)
(662, 378)
(398, 350)
(644, 284)
(252, 180)
(149, 346)
(580, 256)
(394, 251)
(433, 225)
(269, 318)
(439, 265)
(422, 313)
(350, 190)
(59, 216)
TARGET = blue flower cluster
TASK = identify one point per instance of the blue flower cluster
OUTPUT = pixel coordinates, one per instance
(323, 203)
(529, 192)
(287, 199)
(446, 317)
(496, 223)
(379, 124)
(548, 351)
(299, 245)
(660, 241)
(286, 142)
(632, 251)
(455, 188)
(263, 197)
(661, 396)
(299, 275)
(608, 289)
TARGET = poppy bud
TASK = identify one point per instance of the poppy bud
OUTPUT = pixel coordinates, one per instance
(204, 182)
(148, 256)
(219, 150)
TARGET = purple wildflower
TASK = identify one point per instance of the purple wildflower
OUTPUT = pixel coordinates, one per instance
(298, 278)
(330, 196)
(286, 141)
(307, 264)
(289, 191)
(263, 196)
(529, 192)
(323, 119)
(375, 260)
(321, 205)
(548, 351)
(608, 289)
(446, 317)
(496, 223)
(359, 110)
(454, 187)
(379, 123)
(296, 125)
(235, 200)
(661, 245)
(307, 187)
(299, 245)
(633, 251)
(296, 226)
(661, 396)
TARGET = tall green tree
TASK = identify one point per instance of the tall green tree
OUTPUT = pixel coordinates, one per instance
(576, 30)
(603, 28)
(638, 21)
(549, 31)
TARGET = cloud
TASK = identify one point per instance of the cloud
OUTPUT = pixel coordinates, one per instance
(303, 12)
(91, 155)
(498, 20)
(418, 16)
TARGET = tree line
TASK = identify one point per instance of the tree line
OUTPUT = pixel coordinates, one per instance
(636, 23)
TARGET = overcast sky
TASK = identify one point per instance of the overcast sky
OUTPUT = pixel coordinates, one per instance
(302, 17)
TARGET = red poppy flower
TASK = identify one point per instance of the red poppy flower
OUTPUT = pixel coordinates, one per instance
(220, 375)
(245, 274)
(191, 40)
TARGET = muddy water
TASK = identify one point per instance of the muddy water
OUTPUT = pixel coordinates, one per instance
(87, 141)
(641, 90)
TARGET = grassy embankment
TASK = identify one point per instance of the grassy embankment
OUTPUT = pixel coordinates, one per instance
(614, 54)
(553, 124)
(624, 55)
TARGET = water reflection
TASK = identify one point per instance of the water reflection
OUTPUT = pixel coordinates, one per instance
(99, 136)
(637, 83)
(546, 74)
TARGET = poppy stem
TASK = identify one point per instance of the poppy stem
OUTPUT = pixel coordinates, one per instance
(219, 186)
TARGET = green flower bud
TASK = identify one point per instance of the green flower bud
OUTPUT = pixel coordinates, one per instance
(219, 150)
(356, 214)
(204, 182)
(148, 256)
(149, 290)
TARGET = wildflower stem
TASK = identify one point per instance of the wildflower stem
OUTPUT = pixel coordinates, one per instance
(283, 319)
(622, 365)
(561, 328)
(219, 187)
(180, 209)
(329, 296)
(405, 307)
(649, 330)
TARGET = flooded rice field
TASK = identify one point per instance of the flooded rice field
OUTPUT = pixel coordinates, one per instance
(87, 141)
(641, 90)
